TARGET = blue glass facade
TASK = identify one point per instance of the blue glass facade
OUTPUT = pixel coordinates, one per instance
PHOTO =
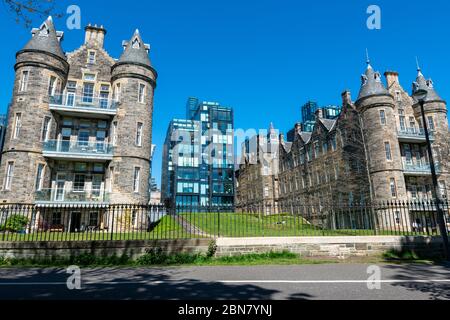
(198, 157)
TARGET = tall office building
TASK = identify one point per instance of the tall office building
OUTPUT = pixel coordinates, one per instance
(198, 157)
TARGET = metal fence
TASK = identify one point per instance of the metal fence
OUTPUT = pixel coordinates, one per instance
(19, 222)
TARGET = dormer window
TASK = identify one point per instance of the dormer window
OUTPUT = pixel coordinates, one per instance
(43, 31)
(136, 44)
(91, 56)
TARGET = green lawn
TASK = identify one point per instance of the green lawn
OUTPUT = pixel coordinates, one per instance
(253, 225)
(211, 225)
(168, 228)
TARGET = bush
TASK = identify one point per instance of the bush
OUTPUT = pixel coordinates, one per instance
(15, 223)
(159, 257)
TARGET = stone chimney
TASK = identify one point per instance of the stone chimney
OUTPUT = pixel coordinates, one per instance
(319, 113)
(95, 35)
(391, 78)
(346, 97)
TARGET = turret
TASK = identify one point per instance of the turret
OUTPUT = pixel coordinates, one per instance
(134, 81)
(435, 107)
(40, 71)
(376, 107)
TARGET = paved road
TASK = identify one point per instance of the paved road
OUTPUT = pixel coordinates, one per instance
(336, 282)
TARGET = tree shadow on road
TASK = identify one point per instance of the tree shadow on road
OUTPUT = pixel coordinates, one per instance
(412, 272)
(118, 284)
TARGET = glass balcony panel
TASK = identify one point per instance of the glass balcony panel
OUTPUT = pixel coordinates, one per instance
(83, 102)
(79, 147)
(58, 195)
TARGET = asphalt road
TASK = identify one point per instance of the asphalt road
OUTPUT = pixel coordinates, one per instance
(334, 281)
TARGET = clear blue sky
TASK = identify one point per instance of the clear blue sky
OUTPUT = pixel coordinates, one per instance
(265, 58)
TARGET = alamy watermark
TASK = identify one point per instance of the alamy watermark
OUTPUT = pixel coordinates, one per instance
(374, 19)
(74, 280)
(374, 280)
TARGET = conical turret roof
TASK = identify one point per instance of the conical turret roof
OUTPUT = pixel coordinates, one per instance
(136, 51)
(422, 84)
(371, 83)
(47, 39)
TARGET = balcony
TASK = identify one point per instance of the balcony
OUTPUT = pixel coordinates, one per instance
(78, 150)
(418, 169)
(66, 196)
(413, 135)
(75, 106)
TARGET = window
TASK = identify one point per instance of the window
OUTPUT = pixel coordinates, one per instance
(382, 117)
(24, 81)
(116, 93)
(136, 179)
(393, 186)
(52, 86)
(431, 123)
(9, 175)
(402, 120)
(387, 147)
(266, 191)
(88, 92)
(17, 125)
(79, 182)
(39, 177)
(89, 77)
(114, 133)
(111, 179)
(412, 123)
(398, 96)
(80, 167)
(333, 143)
(442, 189)
(91, 57)
(139, 128)
(104, 96)
(56, 218)
(141, 94)
(46, 129)
(93, 219)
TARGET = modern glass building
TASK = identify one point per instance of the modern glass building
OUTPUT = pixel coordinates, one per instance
(309, 110)
(198, 157)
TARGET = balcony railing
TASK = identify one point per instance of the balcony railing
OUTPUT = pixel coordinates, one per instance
(83, 103)
(419, 168)
(414, 134)
(83, 149)
(64, 195)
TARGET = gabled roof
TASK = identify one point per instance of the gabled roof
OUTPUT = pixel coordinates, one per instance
(328, 123)
(306, 136)
(47, 39)
(136, 51)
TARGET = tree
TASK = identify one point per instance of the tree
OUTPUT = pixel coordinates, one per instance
(25, 10)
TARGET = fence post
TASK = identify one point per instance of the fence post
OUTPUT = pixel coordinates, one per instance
(112, 224)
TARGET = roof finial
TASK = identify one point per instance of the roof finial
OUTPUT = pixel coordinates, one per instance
(367, 57)
(50, 18)
(419, 69)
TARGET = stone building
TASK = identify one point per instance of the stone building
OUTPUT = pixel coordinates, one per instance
(79, 127)
(257, 186)
(375, 151)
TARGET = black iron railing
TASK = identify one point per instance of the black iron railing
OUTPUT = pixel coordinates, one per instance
(20, 222)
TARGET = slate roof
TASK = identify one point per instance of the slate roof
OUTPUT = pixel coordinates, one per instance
(371, 84)
(422, 83)
(136, 51)
(45, 38)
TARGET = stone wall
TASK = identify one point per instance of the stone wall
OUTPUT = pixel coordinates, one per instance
(328, 247)
(133, 249)
(335, 247)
